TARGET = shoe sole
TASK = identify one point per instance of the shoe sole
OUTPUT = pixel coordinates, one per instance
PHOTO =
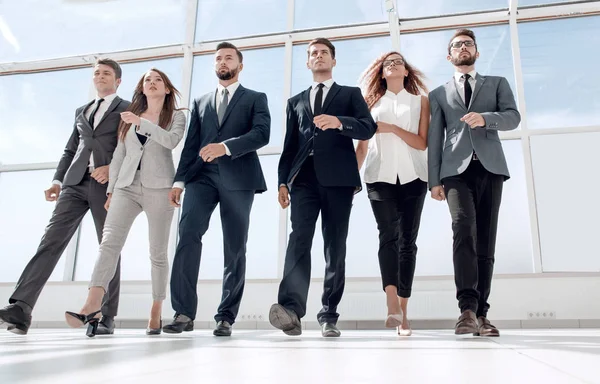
(218, 333)
(331, 334)
(280, 319)
(465, 331)
(172, 331)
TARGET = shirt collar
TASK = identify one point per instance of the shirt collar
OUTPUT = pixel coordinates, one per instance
(393, 95)
(458, 75)
(107, 99)
(327, 83)
(231, 88)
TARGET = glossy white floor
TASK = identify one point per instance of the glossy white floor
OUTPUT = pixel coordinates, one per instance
(519, 356)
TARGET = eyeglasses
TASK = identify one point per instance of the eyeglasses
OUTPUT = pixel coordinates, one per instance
(467, 43)
(387, 63)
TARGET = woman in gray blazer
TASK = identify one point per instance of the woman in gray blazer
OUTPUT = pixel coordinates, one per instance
(140, 177)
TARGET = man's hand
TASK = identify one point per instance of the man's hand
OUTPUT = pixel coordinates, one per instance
(52, 193)
(437, 193)
(284, 197)
(131, 118)
(327, 122)
(474, 119)
(385, 127)
(212, 151)
(175, 197)
(100, 174)
(107, 204)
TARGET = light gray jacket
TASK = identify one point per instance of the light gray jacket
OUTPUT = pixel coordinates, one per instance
(157, 168)
(450, 156)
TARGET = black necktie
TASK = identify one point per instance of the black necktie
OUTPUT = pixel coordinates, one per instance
(318, 100)
(468, 90)
(94, 112)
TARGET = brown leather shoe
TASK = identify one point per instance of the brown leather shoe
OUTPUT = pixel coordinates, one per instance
(486, 329)
(467, 323)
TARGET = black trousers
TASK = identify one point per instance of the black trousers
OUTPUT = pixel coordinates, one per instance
(201, 198)
(474, 199)
(308, 198)
(72, 205)
(397, 209)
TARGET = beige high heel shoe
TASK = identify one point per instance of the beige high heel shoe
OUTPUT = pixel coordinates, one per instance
(404, 332)
(394, 320)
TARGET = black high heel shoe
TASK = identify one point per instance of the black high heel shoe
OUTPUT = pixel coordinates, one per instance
(81, 320)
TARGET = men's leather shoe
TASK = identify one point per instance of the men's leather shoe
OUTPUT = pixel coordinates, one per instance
(285, 319)
(467, 323)
(486, 329)
(106, 326)
(223, 329)
(330, 330)
(181, 323)
(17, 320)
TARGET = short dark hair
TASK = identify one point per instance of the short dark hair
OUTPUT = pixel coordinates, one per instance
(113, 64)
(225, 45)
(324, 41)
(462, 32)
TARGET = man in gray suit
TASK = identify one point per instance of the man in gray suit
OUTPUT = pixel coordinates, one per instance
(468, 168)
(79, 185)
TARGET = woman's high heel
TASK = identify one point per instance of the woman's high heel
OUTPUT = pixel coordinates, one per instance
(76, 320)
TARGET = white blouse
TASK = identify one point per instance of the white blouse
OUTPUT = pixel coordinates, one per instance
(389, 158)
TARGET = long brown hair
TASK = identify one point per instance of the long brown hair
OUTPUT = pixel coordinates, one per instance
(374, 85)
(139, 103)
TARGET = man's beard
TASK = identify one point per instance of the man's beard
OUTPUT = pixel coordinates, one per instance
(468, 61)
(230, 74)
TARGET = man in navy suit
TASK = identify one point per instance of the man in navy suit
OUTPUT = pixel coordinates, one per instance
(219, 164)
(318, 167)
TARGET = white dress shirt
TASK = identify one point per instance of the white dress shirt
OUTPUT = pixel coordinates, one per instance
(389, 157)
(460, 84)
(313, 92)
(97, 118)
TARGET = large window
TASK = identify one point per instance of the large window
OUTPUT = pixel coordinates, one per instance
(37, 112)
(263, 72)
(24, 214)
(418, 8)
(565, 169)
(318, 13)
(560, 72)
(255, 17)
(66, 28)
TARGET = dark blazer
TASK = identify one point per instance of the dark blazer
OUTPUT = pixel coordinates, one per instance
(334, 153)
(246, 127)
(84, 140)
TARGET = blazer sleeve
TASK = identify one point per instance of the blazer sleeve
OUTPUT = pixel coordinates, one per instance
(361, 126)
(435, 141)
(259, 133)
(290, 145)
(191, 148)
(69, 153)
(115, 165)
(507, 117)
(168, 139)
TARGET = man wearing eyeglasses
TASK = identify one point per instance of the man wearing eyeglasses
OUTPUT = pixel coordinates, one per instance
(468, 168)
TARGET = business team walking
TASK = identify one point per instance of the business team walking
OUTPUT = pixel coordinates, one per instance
(447, 140)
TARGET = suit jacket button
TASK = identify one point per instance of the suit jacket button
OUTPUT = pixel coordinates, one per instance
(148, 134)
(141, 148)
(219, 134)
(316, 133)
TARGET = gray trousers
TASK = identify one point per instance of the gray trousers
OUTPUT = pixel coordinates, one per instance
(126, 204)
(72, 205)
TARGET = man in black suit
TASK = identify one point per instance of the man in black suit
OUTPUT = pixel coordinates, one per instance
(79, 185)
(219, 164)
(318, 167)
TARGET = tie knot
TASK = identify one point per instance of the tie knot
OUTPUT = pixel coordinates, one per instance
(320, 85)
(466, 76)
(225, 91)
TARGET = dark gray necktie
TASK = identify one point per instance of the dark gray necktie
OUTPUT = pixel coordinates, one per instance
(93, 115)
(318, 100)
(468, 90)
(223, 105)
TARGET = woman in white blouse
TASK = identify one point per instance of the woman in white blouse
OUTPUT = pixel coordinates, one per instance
(396, 173)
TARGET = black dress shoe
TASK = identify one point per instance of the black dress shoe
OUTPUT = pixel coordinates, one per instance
(106, 326)
(330, 330)
(285, 319)
(17, 320)
(223, 329)
(181, 323)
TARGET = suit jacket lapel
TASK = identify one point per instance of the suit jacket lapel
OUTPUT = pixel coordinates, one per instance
(212, 108)
(478, 84)
(236, 96)
(453, 91)
(330, 95)
(82, 117)
(111, 108)
(306, 102)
